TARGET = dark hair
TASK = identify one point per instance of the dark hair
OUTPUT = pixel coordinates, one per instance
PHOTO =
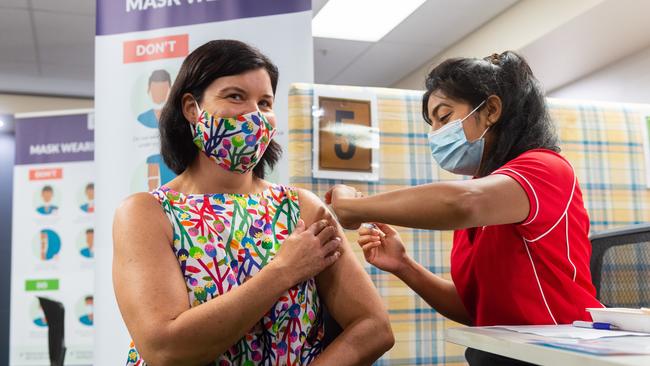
(47, 189)
(524, 123)
(90, 186)
(207, 63)
(90, 231)
(160, 75)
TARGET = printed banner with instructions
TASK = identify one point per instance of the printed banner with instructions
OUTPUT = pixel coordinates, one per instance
(53, 235)
(140, 46)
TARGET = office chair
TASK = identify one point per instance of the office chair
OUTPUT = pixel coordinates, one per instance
(620, 266)
(54, 315)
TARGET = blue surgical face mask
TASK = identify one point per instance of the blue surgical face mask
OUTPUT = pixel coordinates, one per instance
(452, 151)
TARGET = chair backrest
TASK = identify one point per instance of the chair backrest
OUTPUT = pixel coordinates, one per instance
(55, 317)
(620, 266)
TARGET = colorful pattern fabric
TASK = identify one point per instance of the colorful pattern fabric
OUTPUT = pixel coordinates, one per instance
(235, 144)
(222, 240)
(604, 143)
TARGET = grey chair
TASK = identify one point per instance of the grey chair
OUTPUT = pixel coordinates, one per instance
(620, 266)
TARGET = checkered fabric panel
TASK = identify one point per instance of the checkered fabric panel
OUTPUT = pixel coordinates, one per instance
(604, 144)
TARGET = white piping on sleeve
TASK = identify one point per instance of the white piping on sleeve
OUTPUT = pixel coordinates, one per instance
(566, 209)
(531, 188)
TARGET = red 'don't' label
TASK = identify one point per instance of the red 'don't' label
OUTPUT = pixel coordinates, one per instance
(45, 174)
(156, 48)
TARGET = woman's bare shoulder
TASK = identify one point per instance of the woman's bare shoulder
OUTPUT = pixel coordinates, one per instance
(139, 203)
(141, 213)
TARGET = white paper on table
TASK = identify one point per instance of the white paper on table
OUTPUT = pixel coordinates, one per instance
(629, 344)
(569, 331)
(608, 346)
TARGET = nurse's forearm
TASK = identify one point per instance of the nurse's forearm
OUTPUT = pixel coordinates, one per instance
(439, 206)
(439, 293)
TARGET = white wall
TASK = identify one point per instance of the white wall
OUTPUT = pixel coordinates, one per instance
(587, 49)
(520, 25)
(626, 80)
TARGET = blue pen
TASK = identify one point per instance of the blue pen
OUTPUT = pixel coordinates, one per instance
(594, 325)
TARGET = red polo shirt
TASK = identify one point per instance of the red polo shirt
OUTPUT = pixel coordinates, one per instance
(536, 271)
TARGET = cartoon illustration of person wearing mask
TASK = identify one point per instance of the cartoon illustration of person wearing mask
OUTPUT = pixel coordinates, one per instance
(50, 244)
(89, 205)
(88, 250)
(87, 318)
(47, 208)
(159, 84)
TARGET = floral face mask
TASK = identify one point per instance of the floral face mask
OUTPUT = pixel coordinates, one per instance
(235, 144)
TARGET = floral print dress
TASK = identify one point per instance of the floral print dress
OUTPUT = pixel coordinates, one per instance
(220, 241)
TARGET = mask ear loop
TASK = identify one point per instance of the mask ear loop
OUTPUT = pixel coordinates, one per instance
(456, 122)
(475, 109)
(198, 109)
(484, 132)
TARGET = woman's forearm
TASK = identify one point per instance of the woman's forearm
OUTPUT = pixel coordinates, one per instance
(439, 293)
(361, 343)
(440, 206)
(200, 334)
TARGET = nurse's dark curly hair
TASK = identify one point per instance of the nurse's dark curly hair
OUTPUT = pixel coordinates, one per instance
(524, 123)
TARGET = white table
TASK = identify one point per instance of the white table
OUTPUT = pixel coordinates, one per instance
(515, 345)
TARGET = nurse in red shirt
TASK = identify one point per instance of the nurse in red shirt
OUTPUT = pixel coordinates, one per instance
(521, 250)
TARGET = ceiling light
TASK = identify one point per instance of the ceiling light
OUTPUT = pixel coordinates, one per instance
(361, 20)
(2, 123)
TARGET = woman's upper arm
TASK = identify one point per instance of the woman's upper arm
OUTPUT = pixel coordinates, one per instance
(496, 200)
(345, 287)
(549, 184)
(148, 284)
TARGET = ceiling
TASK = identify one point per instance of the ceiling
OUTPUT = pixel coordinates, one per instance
(583, 45)
(48, 46)
(433, 27)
